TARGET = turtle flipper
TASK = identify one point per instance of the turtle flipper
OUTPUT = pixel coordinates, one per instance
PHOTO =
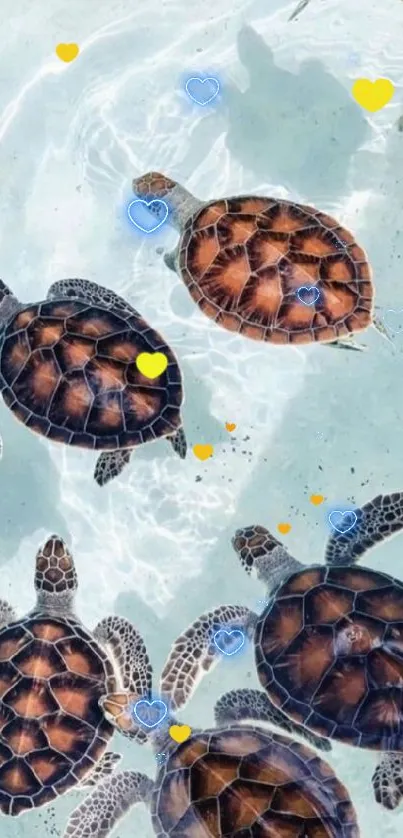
(300, 8)
(170, 259)
(103, 769)
(7, 613)
(346, 343)
(254, 705)
(179, 443)
(387, 780)
(99, 813)
(110, 464)
(126, 646)
(91, 292)
(194, 653)
(377, 520)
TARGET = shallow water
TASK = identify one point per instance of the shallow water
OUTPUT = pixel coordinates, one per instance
(154, 545)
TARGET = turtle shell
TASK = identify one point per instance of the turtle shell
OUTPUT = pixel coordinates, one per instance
(329, 652)
(245, 259)
(243, 781)
(52, 730)
(68, 371)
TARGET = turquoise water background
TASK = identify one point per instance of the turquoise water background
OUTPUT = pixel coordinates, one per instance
(154, 545)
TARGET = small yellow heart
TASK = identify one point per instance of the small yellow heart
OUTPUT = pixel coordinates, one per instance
(179, 733)
(151, 364)
(203, 452)
(316, 499)
(67, 52)
(373, 95)
(230, 426)
(284, 528)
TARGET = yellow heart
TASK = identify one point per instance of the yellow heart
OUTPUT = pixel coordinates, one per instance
(203, 452)
(284, 528)
(151, 364)
(230, 426)
(67, 52)
(316, 499)
(179, 733)
(373, 95)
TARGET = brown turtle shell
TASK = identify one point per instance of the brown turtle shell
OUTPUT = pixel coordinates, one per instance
(52, 730)
(68, 371)
(244, 259)
(329, 652)
(244, 781)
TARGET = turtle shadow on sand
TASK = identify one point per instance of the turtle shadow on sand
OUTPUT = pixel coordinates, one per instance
(29, 479)
(294, 129)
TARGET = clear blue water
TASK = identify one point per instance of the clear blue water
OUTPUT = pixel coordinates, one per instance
(154, 545)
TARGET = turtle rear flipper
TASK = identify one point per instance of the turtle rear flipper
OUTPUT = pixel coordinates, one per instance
(194, 653)
(99, 813)
(377, 520)
(110, 464)
(254, 705)
(387, 781)
(179, 443)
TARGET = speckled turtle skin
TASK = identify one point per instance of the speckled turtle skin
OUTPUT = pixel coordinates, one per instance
(242, 782)
(244, 258)
(329, 652)
(68, 372)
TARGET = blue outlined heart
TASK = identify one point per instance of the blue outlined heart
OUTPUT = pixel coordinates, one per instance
(145, 714)
(229, 642)
(143, 218)
(202, 91)
(308, 295)
(343, 522)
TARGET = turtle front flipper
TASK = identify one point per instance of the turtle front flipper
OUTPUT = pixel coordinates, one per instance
(104, 768)
(254, 705)
(387, 781)
(90, 292)
(171, 259)
(134, 682)
(110, 464)
(127, 648)
(377, 520)
(7, 613)
(99, 813)
(179, 443)
(194, 653)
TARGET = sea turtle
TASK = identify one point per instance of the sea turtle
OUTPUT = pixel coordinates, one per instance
(231, 780)
(68, 371)
(269, 269)
(53, 674)
(328, 645)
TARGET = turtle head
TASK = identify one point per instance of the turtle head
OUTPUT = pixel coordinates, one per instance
(155, 187)
(9, 304)
(261, 553)
(55, 576)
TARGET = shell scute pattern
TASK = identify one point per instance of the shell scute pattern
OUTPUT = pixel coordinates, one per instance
(52, 730)
(68, 372)
(245, 781)
(330, 653)
(243, 260)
